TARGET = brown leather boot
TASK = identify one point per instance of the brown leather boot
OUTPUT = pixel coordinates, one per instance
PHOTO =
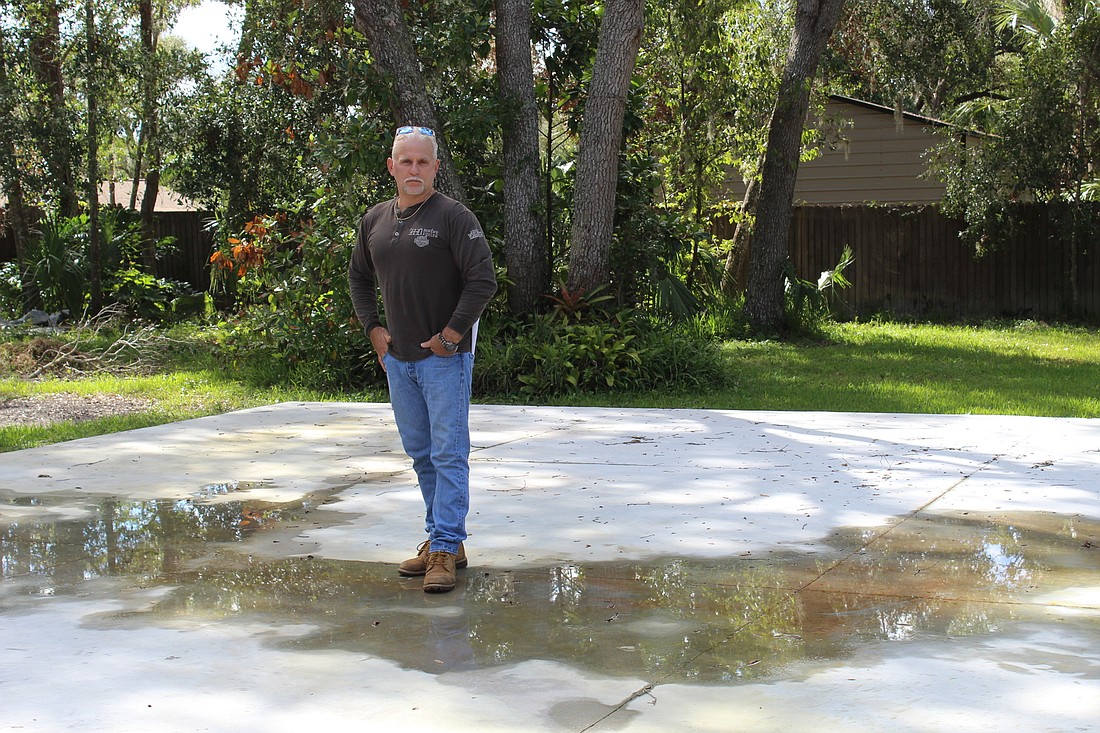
(440, 575)
(417, 566)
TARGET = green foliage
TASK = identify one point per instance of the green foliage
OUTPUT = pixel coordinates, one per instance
(920, 55)
(301, 110)
(145, 296)
(652, 245)
(581, 357)
(723, 319)
(808, 304)
(58, 264)
(547, 356)
(294, 308)
(11, 290)
(696, 58)
(1045, 121)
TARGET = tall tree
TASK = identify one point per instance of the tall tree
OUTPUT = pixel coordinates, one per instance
(44, 21)
(1046, 123)
(690, 57)
(149, 146)
(698, 56)
(920, 55)
(391, 46)
(601, 138)
(91, 90)
(813, 25)
(525, 248)
(10, 165)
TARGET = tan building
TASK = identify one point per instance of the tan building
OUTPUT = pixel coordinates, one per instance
(872, 154)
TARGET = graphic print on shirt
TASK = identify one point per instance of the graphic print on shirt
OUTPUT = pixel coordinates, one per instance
(422, 236)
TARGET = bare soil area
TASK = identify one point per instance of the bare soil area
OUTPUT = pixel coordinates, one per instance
(47, 409)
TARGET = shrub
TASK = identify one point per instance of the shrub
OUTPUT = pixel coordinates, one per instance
(11, 291)
(546, 356)
(809, 304)
(145, 296)
(58, 264)
(295, 320)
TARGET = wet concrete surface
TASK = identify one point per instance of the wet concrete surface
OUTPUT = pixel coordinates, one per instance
(630, 570)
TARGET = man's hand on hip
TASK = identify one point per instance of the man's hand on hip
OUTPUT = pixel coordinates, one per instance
(380, 339)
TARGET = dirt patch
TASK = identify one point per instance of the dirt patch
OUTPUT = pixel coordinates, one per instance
(47, 409)
(20, 358)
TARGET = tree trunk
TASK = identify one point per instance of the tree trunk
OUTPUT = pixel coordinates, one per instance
(525, 248)
(139, 166)
(45, 54)
(149, 135)
(390, 43)
(814, 23)
(601, 138)
(735, 273)
(95, 251)
(16, 211)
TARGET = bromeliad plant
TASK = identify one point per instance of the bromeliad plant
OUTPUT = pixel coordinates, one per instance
(580, 357)
(547, 357)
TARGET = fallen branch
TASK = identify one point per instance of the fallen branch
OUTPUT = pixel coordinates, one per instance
(127, 353)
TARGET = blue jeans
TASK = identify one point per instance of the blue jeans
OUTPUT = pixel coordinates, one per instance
(431, 404)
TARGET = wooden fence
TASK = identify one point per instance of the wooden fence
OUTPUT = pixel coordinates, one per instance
(910, 262)
(189, 259)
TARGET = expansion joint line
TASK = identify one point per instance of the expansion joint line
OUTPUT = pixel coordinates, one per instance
(648, 688)
(908, 517)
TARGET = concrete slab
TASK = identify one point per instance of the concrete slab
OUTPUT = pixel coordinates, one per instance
(637, 570)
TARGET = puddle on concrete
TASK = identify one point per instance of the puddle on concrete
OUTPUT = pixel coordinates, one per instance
(661, 619)
(125, 538)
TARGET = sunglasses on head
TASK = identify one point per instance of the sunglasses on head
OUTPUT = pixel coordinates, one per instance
(409, 129)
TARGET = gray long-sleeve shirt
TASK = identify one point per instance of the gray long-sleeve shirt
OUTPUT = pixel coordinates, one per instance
(434, 269)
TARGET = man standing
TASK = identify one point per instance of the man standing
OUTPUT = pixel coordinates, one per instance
(428, 256)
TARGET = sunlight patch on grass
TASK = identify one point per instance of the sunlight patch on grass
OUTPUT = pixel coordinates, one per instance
(1012, 368)
(175, 396)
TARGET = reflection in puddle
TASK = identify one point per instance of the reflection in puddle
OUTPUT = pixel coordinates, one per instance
(148, 539)
(659, 619)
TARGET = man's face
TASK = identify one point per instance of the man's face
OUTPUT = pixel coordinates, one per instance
(413, 166)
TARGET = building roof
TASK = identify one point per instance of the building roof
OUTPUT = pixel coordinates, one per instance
(167, 200)
(913, 116)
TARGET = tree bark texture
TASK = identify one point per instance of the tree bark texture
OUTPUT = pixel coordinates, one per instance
(149, 136)
(15, 212)
(735, 273)
(383, 25)
(601, 138)
(814, 24)
(525, 247)
(45, 53)
(94, 249)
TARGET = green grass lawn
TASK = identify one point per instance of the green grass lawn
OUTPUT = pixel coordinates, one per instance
(1024, 369)
(928, 369)
(1011, 369)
